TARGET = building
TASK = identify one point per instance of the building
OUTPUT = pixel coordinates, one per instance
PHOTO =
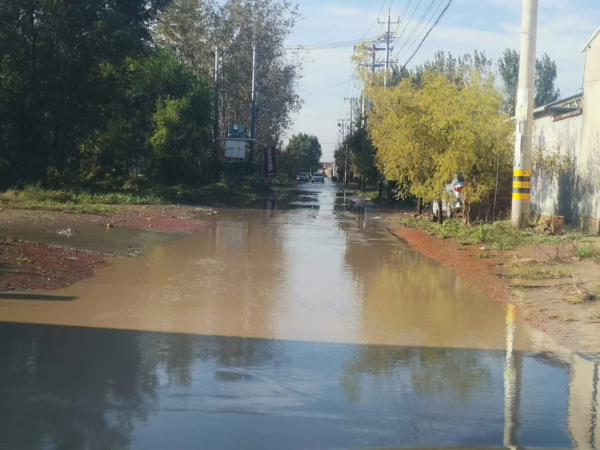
(569, 131)
(326, 168)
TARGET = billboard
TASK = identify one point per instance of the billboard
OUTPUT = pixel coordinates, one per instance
(270, 162)
(235, 148)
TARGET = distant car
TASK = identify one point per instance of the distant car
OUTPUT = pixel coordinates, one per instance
(334, 178)
(302, 176)
(454, 192)
(318, 178)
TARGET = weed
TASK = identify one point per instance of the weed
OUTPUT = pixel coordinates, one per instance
(539, 273)
(36, 198)
(22, 260)
(595, 317)
(553, 317)
(500, 235)
(584, 296)
(483, 256)
(587, 252)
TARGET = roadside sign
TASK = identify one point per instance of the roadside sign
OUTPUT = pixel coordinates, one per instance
(270, 162)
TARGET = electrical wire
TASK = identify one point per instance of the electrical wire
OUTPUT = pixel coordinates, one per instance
(332, 45)
(430, 30)
(409, 20)
(350, 76)
(421, 31)
(414, 30)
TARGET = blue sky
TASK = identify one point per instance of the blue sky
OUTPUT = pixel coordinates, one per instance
(487, 25)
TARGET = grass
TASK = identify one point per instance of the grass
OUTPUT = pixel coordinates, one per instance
(34, 197)
(584, 296)
(500, 235)
(587, 252)
(540, 273)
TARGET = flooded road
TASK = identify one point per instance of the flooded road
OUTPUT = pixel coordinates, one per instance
(297, 326)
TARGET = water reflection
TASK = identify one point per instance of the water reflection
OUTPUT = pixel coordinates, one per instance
(73, 388)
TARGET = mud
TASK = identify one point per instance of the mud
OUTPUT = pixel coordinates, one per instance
(39, 267)
(45, 250)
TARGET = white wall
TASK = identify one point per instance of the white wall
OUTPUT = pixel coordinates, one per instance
(588, 158)
(550, 194)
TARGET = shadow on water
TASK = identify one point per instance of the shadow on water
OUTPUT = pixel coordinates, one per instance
(73, 388)
(41, 297)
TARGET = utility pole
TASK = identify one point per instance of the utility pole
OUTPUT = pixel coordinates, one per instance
(216, 111)
(253, 123)
(521, 197)
(388, 47)
(351, 100)
(342, 125)
(362, 109)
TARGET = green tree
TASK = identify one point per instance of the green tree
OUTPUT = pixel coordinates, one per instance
(195, 27)
(545, 80)
(302, 154)
(153, 97)
(51, 55)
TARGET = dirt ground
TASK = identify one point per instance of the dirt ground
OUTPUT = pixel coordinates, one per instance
(546, 304)
(32, 266)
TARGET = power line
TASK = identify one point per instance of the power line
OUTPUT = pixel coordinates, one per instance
(430, 30)
(367, 32)
(409, 20)
(332, 45)
(422, 29)
(414, 30)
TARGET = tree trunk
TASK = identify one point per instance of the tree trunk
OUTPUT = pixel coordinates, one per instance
(441, 211)
(380, 188)
(467, 212)
(420, 206)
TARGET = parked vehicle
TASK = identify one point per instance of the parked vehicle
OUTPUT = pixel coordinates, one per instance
(302, 177)
(318, 178)
(454, 196)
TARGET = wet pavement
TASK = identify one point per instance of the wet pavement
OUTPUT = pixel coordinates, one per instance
(297, 326)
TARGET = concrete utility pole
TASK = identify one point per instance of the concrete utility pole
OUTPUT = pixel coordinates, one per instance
(253, 123)
(351, 129)
(342, 125)
(216, 111)
(388, 47)
(521, 197)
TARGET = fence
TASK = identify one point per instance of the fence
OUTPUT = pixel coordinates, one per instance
(229, 171)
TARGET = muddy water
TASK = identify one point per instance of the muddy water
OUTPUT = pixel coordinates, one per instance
(297, 327)
(89, 237)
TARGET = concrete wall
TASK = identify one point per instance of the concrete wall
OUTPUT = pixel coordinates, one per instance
(587, 173)
(552, 194)
(575, 195)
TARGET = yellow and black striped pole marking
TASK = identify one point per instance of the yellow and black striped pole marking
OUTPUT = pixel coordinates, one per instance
(522, 185)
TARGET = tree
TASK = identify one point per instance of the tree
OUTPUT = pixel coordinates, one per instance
(85, 96)
(428, 134)
(302, 154)
(195, 27)
(456, 70)
(51, 57)
(545, 80)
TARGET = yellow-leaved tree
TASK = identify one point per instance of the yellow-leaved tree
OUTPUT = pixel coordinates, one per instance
(430, 133)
